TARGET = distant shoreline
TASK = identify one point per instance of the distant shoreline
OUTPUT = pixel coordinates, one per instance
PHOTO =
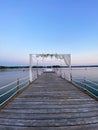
(55, 66)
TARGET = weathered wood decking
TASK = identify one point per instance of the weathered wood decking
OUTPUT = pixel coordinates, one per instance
(50, 103)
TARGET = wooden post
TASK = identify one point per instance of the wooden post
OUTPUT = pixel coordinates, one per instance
(70, 74)
(37, 69)
(17, 84)
(64, 75)
(85, 83)
(30, 67)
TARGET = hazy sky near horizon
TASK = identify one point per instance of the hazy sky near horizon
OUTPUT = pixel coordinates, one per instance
(48, 26)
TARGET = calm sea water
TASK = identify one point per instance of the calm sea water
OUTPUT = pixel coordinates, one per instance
(10, 75)
(90, 73)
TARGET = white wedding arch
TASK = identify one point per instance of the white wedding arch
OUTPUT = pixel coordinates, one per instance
(65, 57)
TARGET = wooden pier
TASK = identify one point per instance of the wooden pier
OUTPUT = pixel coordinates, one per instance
(50, 103)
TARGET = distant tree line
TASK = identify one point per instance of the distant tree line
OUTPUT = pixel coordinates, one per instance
(13, 67)
(54, 66)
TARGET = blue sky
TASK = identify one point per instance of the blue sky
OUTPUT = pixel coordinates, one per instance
(48, 26)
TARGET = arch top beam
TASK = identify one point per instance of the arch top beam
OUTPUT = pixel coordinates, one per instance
(65, 57)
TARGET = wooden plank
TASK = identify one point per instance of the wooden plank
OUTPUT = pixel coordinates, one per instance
(49, 123)
(53, 100)
(42, 106)
(78, 127)
(51, 110)
(48, 116)
(61, 102)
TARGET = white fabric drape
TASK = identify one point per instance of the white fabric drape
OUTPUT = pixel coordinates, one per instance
(67, 59)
